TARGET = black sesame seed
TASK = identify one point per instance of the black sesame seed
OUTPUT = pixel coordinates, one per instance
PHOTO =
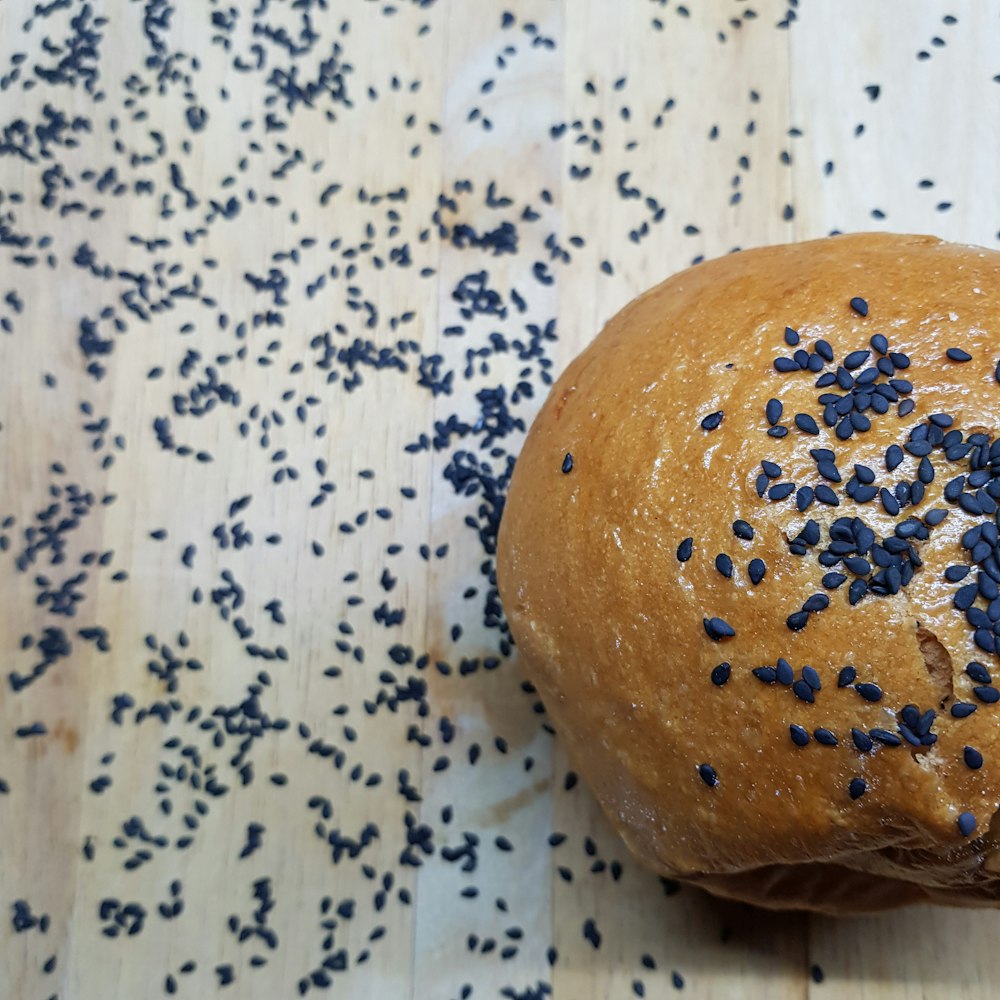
(893, 456)
(717, 629)
(684, 550)
(741, 529)
(756, 570)
(880, 344)
(918, 448)
(720, 674)
(707, 774)
(973, 758)
(825, 737)
(797, 621)
(978, 672)
(781, 491)
(806, 424)
(567, 465)
(817, 602)
(766, 675)
(712, 421)
(771, 470)
(810, 532)
(957, 354)
(833, 580)
(955, 573)
(965, 596)
(869, 691)
(856, 359)
(953, 490)
(783, 671)
(824, 350)
(826, 495)
(803, 692)
(773, 411)
(987, 695)
(884, 737)
(963, 709)
(862, 741)
(857, 788)
(966, 824)
(724, 565)
(859, 306)
(785, 365)
(970, 504)
(811, 676)
(828, 471)
(791, 337)
(800, 736)
(889, 503)
(857, 565)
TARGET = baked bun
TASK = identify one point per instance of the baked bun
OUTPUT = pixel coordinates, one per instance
(750, 560)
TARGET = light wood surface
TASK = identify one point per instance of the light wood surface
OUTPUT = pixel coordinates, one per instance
(132, 205)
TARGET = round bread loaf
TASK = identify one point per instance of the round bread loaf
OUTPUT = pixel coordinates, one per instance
(750, 560)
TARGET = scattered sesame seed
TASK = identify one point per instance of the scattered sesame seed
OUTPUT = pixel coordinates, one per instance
(707, 774)
(724, 565)
(717, 629)
(869, 691)
(862, 741)
(720, 674)
(806, 424)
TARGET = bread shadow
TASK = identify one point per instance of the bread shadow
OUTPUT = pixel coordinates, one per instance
(914, 944)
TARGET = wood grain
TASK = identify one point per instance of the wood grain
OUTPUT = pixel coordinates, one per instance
(729, 132)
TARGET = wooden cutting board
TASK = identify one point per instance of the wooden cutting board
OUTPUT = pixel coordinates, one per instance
(282, 284)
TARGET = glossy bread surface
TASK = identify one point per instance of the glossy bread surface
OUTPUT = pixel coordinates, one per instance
(610, 622)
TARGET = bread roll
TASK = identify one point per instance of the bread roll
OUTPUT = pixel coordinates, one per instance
(750, 560)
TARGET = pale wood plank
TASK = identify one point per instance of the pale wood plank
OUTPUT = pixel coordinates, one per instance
(690, 174)
(499, 796)
(934, 119)
(920, 127)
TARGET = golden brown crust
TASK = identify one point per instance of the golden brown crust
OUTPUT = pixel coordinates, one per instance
(609, 623)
